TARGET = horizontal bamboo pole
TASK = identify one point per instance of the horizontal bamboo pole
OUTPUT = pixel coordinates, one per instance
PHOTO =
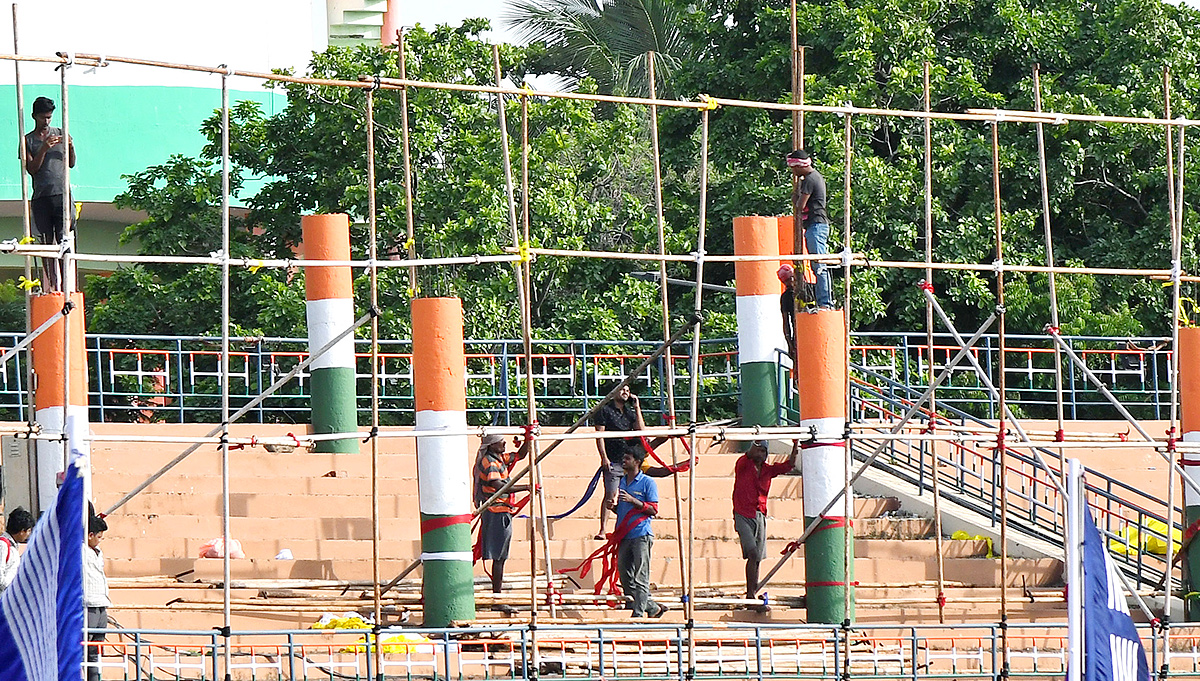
(372, 81)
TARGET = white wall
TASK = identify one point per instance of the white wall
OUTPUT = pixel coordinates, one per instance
(252, 35)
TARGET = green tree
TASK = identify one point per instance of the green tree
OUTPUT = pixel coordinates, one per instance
(604, 40)
(1107, 182)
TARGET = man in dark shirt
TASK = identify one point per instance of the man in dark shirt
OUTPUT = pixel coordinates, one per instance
(808, 206)
(752, 477)
(787, 307)
(623, 413)
(45, 159)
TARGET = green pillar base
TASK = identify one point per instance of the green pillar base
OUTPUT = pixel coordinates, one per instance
(447, 586)
(825, 573)
(760, 394)
(334, 409)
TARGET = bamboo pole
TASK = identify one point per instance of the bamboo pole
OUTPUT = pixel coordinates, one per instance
(25, 226)
(410, 246)
(668, 373)
(225, 321)
(848, 490)
(1173, 428)
(933, 459)
(372, 247)
(693, 414)
(1001, 456)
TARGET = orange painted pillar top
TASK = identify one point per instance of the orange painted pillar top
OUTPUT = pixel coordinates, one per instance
(438, 366)
(47, 351)
(1189, 379)
(756, 235)
(821, 360)
(391, 23)
(326, 237)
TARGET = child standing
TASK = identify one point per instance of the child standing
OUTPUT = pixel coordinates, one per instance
(95, 594)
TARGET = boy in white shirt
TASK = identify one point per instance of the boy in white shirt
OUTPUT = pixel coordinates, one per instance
(16, 531)
(95, 593)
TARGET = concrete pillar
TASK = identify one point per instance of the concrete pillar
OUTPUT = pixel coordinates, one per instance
(760, 327)
(443, 463)
(1189, 421)
(329, 307)
(391, 23)
(821, 359)
(55, 411)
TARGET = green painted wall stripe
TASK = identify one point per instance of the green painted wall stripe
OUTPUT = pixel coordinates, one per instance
(124, 129)
(760, 394)
(333, 408)
(825, 563)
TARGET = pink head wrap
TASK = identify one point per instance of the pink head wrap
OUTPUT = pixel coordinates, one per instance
(785, 272)
(799, 162)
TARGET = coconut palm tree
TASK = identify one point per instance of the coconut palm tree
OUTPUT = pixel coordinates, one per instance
(606, 40)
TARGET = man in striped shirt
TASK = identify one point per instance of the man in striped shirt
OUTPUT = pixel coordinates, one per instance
(492, 468)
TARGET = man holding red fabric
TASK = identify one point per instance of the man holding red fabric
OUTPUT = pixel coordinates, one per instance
(752, 477)
(492, 467)
(636, 504)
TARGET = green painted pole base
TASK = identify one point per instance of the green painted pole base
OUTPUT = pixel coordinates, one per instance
(447, 586)
(760, 394)
(825, 573)
(334, 409)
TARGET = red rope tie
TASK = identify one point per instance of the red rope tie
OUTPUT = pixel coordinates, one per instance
(941, 599)
(792, 547)
(925, 286)
(295, 440)
(1123, 437)
(1060, 436)
(1171, 439)
(1052, 330)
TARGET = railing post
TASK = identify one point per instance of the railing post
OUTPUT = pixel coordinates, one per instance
(291, 648)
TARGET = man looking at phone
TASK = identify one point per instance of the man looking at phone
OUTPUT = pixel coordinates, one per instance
(46, 159)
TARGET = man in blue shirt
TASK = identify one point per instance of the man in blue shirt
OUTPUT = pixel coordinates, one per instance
(636, 504)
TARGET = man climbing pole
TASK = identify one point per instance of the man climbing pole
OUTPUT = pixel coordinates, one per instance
(808, 207)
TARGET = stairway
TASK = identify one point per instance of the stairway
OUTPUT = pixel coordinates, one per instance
(318, 506)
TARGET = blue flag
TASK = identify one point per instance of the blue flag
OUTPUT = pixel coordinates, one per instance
(41, 612)
(1112, 647)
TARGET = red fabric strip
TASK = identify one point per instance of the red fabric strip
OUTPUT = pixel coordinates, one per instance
(438, 523)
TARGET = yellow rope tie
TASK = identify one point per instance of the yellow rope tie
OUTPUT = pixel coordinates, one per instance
(28, 284)
(709, 103)
(523, 252)
(26, 241)
(255, 266)
(527, 90)
(409, 243)
(412, 292)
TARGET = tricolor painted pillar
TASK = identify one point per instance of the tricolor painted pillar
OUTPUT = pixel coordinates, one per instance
(329, 307)
(821, 359)
(392, 23)
(1189, 421)
(760, 328)
(443, 463)
(55, 411)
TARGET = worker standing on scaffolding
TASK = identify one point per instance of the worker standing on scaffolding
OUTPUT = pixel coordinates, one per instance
(622, 413)
(752, 477)
(44, 161)
(636, 504)
(808, 205)
(492, 467)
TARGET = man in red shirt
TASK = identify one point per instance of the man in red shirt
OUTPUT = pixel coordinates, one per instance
(751, 483)
(492, 468)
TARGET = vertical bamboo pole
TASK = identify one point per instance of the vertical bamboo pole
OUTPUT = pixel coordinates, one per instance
(25, 227)
(372, 254)
(668, 374)
(225, 314)
(933, 446)
(1001, 457)
(797, 130)
(66, 273)
(414, 288)
(848, 491)
(1173, 428)
(694, 369)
